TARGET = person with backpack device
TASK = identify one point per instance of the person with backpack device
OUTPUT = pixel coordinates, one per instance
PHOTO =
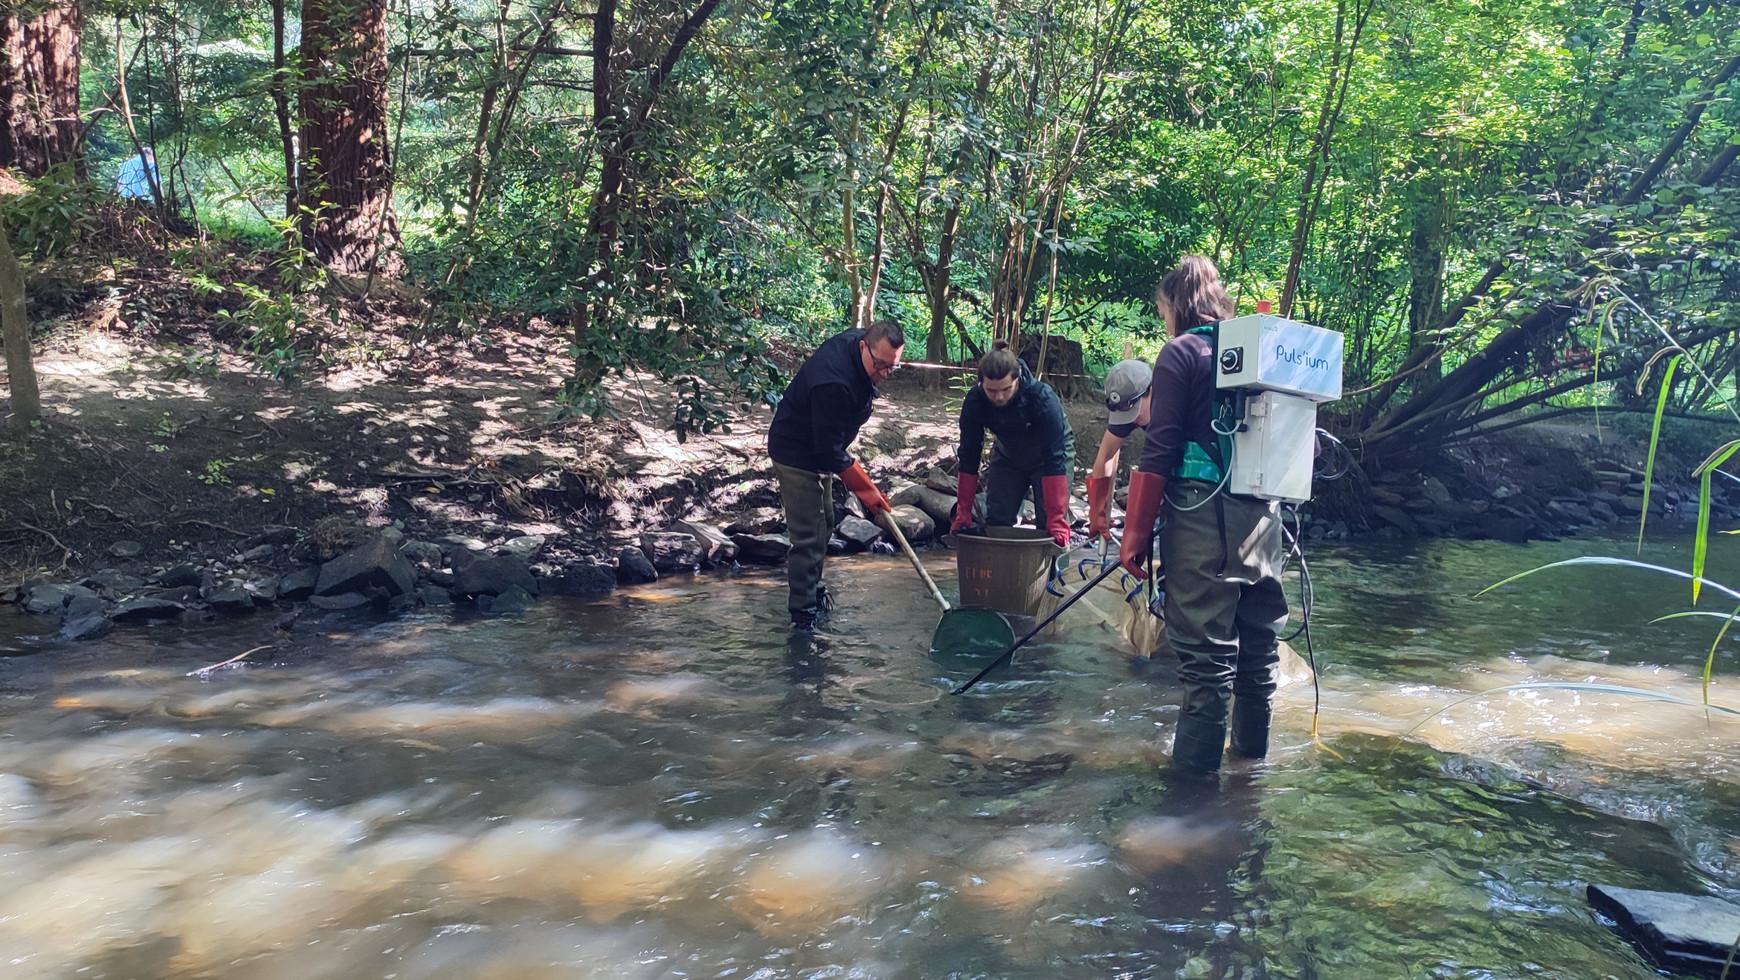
(1222, 553)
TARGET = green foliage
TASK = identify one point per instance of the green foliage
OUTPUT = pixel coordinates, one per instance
(55, 213)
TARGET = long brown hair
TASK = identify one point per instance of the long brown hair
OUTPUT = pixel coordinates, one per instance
(1194, 293)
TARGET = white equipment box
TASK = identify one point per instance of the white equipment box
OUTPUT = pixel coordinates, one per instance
(1286, 368)
(1273, 451)
(1265, 352)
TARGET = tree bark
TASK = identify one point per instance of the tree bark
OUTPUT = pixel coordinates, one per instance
(15, 332)
(39, 89)
(343, 106)
(281, 108)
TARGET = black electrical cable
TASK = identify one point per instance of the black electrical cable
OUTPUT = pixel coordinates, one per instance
(1307, 600)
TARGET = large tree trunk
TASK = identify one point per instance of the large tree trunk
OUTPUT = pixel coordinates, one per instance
(15, 332)
(39, 88)
(347, 180)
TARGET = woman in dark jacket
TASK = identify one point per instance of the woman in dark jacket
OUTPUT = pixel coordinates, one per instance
(1035, 448)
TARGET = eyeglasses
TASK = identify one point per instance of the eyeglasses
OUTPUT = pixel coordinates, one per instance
(880, 364)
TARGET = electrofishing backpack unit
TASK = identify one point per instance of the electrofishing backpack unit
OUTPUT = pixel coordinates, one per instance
(1271, 374)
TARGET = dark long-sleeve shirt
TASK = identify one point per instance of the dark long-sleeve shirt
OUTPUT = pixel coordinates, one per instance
(1182, 405)
(1031, 430)
(827, 402)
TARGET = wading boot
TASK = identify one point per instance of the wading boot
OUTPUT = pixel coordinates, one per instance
(1250, 727)
(1198, 745)
(804, 620)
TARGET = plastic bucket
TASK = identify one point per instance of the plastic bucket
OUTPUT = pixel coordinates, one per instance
(1005, 568)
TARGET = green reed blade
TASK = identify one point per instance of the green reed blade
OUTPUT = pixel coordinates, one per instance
(1603, 560)
(1701, 546)
(1667, 384)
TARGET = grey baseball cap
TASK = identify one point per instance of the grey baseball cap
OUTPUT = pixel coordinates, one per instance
(1126, 383)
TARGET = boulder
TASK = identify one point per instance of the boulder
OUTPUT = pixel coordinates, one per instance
(493, 575)
(941, 482)
(670, 551)
(761, 520)
(341, 602)
(176, 576)
(146, 607)
(298, 585)
(1678, 933)
(633, 568)
(1397, 518)
(837, 545)
(583, 579)
(263, 590)
(259, 552)
(126, 549)
(914, 523)
(85, 627)
(233, 599)
(423, 553)
(376, 562)
(858, 533)
(524, 546)
(44, 600)
(112, 582)
(510, 603)
(717, 548)
(84, 603)
(434, 595)
(762, 549)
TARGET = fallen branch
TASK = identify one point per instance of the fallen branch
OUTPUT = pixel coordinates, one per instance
(226, 663)
(220, 527)
(67, 554)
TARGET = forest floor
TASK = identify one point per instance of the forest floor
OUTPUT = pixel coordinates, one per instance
(157, 431)
(448, 437)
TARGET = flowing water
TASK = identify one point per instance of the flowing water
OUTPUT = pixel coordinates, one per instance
(664, 783)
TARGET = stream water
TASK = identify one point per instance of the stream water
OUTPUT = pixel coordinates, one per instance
(664, 783)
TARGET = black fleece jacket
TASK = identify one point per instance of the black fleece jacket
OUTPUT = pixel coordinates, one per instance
(1031, 430)
(823, 408)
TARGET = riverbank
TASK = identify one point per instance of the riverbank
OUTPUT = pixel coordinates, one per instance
(169, 476)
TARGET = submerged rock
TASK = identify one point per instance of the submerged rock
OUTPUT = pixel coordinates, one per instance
(1681, 933)
(494, 575)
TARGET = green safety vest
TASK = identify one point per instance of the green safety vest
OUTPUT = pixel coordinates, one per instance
(1197, 463)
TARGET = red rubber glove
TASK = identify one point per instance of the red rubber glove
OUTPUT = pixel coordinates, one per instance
(1099, 489)
(1147, 490)
(1055, 490)
(965, 495)
(858, 482)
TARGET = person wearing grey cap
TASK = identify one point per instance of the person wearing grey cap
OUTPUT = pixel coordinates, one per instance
(1127, 386)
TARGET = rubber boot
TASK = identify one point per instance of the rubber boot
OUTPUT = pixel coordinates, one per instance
(1198, 745)
(1250, 727)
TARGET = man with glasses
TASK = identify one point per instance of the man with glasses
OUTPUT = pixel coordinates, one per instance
(827, 402)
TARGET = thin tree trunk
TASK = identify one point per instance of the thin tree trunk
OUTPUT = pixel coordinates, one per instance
(618, 120)
(15, 333)
(281, 108)
(39, 88)
(1311, 190)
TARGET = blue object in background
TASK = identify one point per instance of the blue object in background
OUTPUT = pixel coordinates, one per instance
(134, 180)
